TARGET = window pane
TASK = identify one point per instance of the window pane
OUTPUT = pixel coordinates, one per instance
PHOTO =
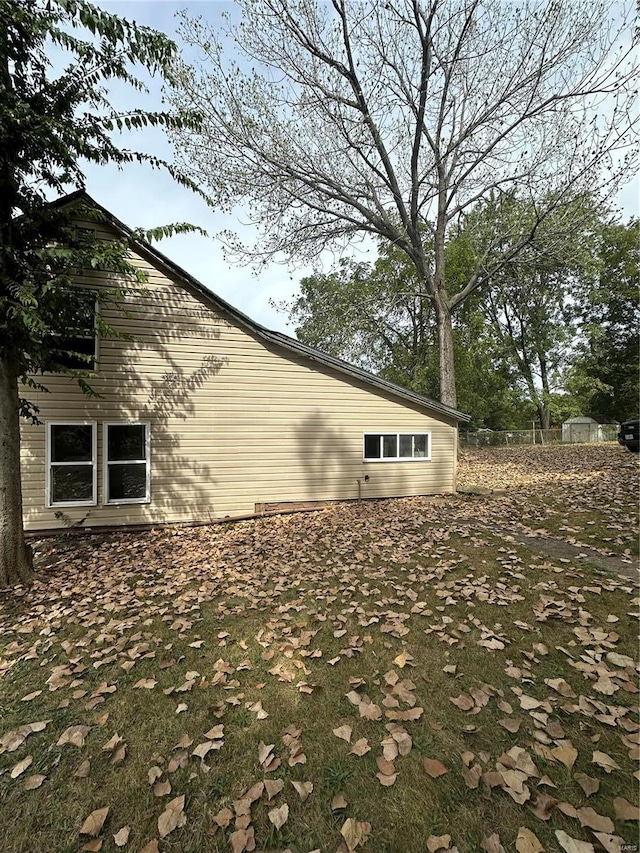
(420, 445)
(389, 446)
(68, 353)
(72, 443)
(71, 483)
(126, 442)
(372, 447)
(405, 446)
(127, 482)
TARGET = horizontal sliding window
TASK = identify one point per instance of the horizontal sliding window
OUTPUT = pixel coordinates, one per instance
(127, 463)
(71, 464)
(402, 446)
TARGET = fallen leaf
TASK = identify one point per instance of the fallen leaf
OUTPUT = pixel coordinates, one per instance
(573, 845)
(360, 747)
(74, 735)
(21, 766)
(438, 842)
(344, 733)
(491, 844)
(121, 837)
(33, 782)
(303, 789)
(588, 783)
(605, 761)
(566, 754)
(625, 810)
(611, 843)
(434, 767)
(589, 817)
(279, 816)
(94, 822)
(339, 802)
(355, 832)
(527, 842)
(172, 817)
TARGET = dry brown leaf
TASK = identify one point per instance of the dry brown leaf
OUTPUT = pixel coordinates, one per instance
(279, 816)
(121, 837)
(491, 844)
(463, 701)
(605, 761)
(264, 751)
(273, 787)
(510, 724)
(162, 789)
(611, 843)
(94, 822)
(434, 767)
(74, 735)
(527, 842)
(239, 840)
(151, 847)
(589, 784)
(566, 754)
(472, 775)
(560, 686)
(438, 842)
(355, 833)
(93, 846)
(21, 766)
(573, 845)
(303, 789)
(387, 779)
(344, 733)
(223, 818)
(625, 810)
(339, 802)
(34, 781)
(360, 747)
(172, 817)
(543, 806)
(588, 817)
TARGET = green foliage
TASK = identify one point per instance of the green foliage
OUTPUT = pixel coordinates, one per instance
(604, 374)
(48, 125)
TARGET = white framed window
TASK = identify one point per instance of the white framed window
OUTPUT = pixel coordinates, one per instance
(396, 446)
(71, 463)
(127, 463)
(77, 348)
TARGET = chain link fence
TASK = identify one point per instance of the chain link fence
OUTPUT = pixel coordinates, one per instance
(519, 437)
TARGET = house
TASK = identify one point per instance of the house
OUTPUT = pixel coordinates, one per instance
(203, 414)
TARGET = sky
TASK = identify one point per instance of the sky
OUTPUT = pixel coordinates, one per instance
(144, 198)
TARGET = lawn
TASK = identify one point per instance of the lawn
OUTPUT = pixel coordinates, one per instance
(393, 676)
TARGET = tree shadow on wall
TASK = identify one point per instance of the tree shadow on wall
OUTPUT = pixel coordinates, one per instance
(333, 467)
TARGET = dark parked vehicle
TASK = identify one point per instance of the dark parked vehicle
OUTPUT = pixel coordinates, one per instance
(629, 435)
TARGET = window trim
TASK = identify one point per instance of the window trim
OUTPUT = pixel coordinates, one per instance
(106, 501)
(49, 464)
(382, 458)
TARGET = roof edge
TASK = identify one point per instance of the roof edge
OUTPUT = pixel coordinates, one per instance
(276, 338)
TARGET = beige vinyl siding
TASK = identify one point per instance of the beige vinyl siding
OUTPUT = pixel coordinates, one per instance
(234, 421)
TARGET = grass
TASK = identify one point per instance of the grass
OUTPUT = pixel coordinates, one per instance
(262, 609)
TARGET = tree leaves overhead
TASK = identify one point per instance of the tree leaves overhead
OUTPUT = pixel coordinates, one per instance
(335, 121)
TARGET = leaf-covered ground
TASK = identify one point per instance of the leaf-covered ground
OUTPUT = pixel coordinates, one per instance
(392, 676)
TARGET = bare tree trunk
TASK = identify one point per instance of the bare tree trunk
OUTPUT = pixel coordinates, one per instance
(445, 340)
(15, 557)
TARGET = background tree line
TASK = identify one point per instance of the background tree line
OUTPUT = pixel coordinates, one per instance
(553, 334)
